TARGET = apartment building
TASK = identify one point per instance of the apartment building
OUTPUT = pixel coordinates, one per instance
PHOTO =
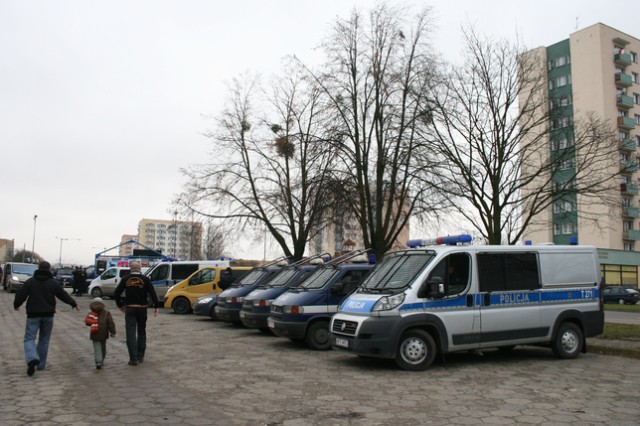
(178, 239)
(127, 249)
(595, 71)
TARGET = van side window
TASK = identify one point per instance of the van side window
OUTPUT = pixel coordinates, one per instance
(453, 270)
(124, 272)
(180, 272)
(508, 271)
(203, 277)
(350, 281)
(160, 273)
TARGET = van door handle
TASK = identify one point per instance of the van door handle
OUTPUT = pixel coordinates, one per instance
(487, 299)
(469, 300)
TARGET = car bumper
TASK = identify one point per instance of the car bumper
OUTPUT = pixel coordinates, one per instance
(228, 314)
(289, 329)
(254, 319)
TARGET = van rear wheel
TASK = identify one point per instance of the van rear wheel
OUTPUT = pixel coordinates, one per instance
(96, 292)
(568, 342)
(416, 350)
(181, 306)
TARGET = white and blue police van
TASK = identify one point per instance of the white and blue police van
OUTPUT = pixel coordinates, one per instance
(303, 312)
(441, 296)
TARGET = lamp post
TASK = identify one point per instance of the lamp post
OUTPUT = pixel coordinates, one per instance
(61, 240)
(33, 244)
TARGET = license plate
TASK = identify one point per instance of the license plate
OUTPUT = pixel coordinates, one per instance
(270, 323)
(344, 343)
(242, 314)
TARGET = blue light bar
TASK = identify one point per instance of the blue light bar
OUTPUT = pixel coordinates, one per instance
(451, 240)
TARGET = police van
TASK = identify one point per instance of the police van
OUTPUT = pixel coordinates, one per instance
(229, 303)
(303, 312)
(256, 306)
(440, 297)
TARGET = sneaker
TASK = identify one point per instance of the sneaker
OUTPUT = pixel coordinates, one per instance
(32, 366)
(133, 362)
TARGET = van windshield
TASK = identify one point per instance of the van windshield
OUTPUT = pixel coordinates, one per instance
(318, 278)
(252, 277)
(24, 269)
(397, 271)
(282, 278)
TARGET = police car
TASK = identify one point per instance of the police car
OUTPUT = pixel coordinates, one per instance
(410, 309)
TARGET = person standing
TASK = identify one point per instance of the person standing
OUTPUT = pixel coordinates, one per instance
(40, 293)
(102, 325)
(136, 287)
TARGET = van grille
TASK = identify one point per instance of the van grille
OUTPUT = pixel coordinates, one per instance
(345, 327)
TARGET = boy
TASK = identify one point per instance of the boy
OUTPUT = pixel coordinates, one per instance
(102, 325)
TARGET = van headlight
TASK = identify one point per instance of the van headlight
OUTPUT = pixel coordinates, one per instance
(387, 303)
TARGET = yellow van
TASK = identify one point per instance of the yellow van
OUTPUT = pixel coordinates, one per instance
(181, 296)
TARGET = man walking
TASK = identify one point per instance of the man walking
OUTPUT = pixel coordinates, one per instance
(40, 293)
(136, 287)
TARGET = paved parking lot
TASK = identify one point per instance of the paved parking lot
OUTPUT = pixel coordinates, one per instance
(200, 372)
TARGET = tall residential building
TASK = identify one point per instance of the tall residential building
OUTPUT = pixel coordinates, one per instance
(595, 70)
(178, 239)
(127, 249)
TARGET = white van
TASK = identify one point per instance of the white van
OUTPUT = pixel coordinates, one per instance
(165, 274)
(433, 300)
(105, 284)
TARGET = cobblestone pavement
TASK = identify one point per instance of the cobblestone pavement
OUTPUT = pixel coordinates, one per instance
(200, 372)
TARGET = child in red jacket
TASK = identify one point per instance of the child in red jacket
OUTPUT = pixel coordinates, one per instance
(102, 325)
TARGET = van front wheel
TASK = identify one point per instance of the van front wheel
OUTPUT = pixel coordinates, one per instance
(318, 336)
(416, 350)
(181, 306)
(568, 342)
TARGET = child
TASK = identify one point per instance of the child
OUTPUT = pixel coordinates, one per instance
(101, 323)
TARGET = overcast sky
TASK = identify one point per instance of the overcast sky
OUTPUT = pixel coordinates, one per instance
(101, 102)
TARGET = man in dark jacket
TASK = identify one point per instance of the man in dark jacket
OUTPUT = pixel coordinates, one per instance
(40, 293)
(136, 287)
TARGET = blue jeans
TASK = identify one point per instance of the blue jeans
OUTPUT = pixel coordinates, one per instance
(135, 322)
(41, 327)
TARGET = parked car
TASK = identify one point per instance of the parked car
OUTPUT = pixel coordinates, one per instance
(15, 274)
(621, 295)
(64, 274)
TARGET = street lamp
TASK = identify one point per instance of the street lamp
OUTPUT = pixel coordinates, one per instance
(33, 244)
(61, 240)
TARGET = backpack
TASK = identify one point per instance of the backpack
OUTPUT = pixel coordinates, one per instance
(92, 321)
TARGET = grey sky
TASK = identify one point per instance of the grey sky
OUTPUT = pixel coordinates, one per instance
(102, 102)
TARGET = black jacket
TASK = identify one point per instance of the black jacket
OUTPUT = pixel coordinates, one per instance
(136, 286)
(40, 292)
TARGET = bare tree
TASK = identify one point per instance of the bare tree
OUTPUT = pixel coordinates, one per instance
(272, 157)
(492, 126)
(376, 80)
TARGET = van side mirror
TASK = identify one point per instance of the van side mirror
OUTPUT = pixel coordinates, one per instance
(433, 288)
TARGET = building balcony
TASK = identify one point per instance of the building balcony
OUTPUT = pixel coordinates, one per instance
(631, 211)
(628, 166)
(627, 144)
(623, 80)
(626, 123)
(629, 188)
(625, 101)
(623, 59)
(632, 234)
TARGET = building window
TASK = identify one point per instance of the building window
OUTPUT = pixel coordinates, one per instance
(623, 135)
(634, 57)
(638, 140)
(627, 225)
(557, 229)
(622, 113)
(628, 247)
(567, 228)
(634, 77)
(637, 118)
(636, 98)
(567, 164)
